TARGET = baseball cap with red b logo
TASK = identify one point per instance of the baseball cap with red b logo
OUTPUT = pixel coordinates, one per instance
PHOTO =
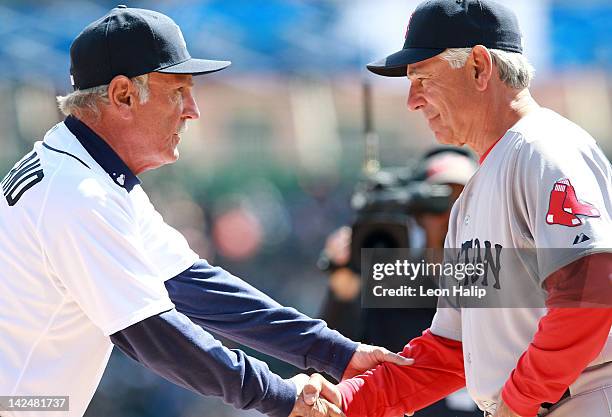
(437, 25)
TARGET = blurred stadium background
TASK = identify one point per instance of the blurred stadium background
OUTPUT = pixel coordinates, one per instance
(267, 171)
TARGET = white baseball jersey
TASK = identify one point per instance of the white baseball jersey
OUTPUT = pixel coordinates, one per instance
(81, 257)
(545, 184)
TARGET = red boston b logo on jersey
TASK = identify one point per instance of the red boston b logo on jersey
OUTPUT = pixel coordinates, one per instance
(564, 207)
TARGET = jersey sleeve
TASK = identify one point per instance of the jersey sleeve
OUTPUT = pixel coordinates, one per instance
(563, 199)
(167, 247)
(230, 307)
(95, 252)
(447, 322)
(174, 347)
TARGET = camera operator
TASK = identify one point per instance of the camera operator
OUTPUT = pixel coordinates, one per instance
(390, 327)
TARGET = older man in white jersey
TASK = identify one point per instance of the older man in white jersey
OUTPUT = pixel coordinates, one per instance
(86, 262)
(542, 183)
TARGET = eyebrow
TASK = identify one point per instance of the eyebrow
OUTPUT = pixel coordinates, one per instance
(182, 81)
(414, 73)
(189, 83)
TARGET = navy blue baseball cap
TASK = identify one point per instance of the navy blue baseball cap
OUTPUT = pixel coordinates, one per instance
(437, 25)
(131, 42)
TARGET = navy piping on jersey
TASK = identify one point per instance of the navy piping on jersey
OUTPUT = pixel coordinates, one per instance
(51, 148)
(103, 154)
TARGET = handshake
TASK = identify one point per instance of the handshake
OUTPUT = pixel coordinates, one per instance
(317, 397)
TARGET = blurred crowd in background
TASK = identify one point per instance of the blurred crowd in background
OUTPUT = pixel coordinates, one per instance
(268, 170)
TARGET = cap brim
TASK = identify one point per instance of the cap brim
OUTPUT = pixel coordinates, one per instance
(395, 64)
(196, 66)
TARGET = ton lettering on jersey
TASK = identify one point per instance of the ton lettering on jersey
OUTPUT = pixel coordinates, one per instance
(472, 252)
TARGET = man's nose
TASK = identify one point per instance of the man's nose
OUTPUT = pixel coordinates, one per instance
(415, 98)
(190, 107)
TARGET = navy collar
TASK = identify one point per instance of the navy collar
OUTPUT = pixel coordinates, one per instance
(102, 153)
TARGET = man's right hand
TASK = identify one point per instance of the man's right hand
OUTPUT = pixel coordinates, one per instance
(309, 403)
(318, 386)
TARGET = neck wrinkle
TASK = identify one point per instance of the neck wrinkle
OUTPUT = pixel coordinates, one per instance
(502, 115)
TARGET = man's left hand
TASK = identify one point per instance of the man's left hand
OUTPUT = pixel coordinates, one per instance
(367, 357)
(504, 411)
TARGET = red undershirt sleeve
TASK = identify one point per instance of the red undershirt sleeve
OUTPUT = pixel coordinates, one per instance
(567, 340)
(390, 390)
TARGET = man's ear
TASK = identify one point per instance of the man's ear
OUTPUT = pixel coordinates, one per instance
(481, 66)
(122, 95)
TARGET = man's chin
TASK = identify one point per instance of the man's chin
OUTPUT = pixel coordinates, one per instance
(174, 151)
(171, 156)
(444, 138)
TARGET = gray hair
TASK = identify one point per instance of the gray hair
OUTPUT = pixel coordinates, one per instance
(88, 99)
(513, 68)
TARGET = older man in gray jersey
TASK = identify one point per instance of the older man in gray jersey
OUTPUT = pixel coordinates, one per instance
(543, 183)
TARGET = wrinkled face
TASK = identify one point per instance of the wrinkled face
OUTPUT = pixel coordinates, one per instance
(442, 94)
(163, 118)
